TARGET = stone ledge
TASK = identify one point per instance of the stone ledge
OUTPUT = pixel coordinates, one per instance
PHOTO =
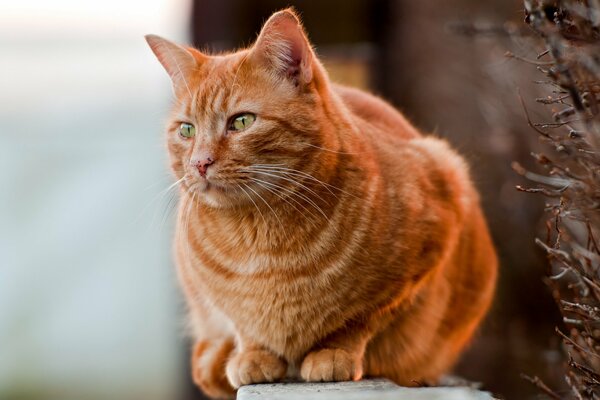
(370, 389)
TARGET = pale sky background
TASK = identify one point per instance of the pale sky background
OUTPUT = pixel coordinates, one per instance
(93, 17)
(89, 306)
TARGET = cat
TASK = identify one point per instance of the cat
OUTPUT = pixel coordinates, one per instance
(320, 236)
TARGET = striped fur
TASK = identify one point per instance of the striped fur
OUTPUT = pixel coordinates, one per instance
(330, 240)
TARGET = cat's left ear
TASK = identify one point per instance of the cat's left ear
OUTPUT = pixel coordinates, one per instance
(178, 61)
(282, 46)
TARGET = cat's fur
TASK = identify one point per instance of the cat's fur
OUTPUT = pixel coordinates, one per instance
(328, 241)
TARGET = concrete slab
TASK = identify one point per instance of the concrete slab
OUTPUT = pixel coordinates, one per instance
(370, 389)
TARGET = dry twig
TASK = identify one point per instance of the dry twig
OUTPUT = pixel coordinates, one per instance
(569, 33)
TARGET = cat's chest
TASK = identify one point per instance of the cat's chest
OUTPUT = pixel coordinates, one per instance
(284, 300)
(285, 312)
(288, 316)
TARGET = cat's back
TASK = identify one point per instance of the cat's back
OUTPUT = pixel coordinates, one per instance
(374, 115)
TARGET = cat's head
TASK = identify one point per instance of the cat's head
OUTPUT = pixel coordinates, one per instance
(243, 122)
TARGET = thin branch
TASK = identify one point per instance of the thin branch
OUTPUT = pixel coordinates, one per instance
(542, 386)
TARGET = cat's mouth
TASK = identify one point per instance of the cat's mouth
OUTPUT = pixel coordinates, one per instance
(204, 186)
(212, 191)
(213, 186)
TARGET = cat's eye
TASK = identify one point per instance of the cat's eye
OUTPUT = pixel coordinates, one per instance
(187, 130)
(241, 122)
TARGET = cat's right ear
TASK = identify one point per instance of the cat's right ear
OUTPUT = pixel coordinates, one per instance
(178, 61)
(282, 46)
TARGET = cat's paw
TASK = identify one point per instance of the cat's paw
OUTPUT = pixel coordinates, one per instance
(329, 365)
(208, 368)
(255, 366)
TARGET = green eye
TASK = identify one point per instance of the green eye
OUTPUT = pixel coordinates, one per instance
(241, 122)
(187, 130)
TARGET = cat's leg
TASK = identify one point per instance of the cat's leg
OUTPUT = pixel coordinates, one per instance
(209, 358)
(214, 345)
(339, 357)
(253, 363)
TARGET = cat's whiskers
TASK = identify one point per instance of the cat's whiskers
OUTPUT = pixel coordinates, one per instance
(262, 183)
(164, 192)
(166, 176)
(168, 207)
(293, 193)
(253, 202)
(329, 150)
(297, 193)
(273, 173)
(186, 221)
(283, 230)
(297, 173)
(294, 180)
(335, 227)
(157, 197)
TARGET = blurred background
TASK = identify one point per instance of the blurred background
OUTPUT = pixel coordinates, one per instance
(89, 306)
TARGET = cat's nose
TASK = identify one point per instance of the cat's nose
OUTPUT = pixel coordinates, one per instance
(203, 164)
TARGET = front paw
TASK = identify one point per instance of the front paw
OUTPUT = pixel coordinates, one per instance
(255, 366)
(328, 365)
(208, 367)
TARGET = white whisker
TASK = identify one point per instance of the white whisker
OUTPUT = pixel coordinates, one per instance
(262, 185)
(271, 173)
(186, 222)
(294, 193)
(268, 205)
(296, 172)
(328, 150)
(157, 197)
(168, 209)
(255, 205)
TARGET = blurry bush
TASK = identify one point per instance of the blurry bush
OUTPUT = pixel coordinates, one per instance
(568, 59)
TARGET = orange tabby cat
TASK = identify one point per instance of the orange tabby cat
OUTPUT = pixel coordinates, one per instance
(319, 235)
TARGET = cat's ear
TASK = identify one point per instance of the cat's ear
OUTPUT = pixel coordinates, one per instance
(282, 46)
(178, 61)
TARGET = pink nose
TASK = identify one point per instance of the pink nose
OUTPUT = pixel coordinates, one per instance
(202, 165)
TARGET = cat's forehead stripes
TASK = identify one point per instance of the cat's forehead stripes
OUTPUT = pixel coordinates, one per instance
(215, 91)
